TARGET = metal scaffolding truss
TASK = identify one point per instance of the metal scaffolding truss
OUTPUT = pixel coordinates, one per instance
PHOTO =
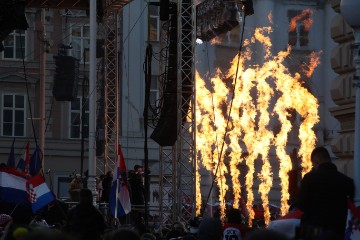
(167, 185)
(186, 152)
(178, 163)
(111, 41)
(69, 4)
(109, 30)
(73, 4)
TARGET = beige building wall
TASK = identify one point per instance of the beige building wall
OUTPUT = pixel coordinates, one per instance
(343, 91)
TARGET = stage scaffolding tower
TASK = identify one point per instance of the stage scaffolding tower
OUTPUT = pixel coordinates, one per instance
(178, 163)
(110, 32)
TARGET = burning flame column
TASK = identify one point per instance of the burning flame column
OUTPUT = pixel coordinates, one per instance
(350, 12)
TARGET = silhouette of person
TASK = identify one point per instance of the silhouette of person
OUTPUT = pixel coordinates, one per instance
(323, 197)
(233, 227)
(137, 185)
(155, 195)
(85, 222)
(75, 186)
(106, 184)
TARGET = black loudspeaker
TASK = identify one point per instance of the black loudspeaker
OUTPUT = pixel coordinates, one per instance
(66, 78)
(164, 10)
(165, 132)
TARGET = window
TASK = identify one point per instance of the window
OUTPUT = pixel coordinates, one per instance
(72, 13)
(307, 2)
(80, 41)
(13, 115)
(299, 28)
(75, 118)
(154, 96)
(15, 44)
(154, 23)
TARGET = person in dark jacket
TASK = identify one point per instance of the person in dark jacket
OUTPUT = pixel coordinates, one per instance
(323, 197)
(137, 186)
(85, 222)
(106, 184)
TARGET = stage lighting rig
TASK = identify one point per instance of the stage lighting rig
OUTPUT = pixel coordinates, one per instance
(215, 17)
(12, 17)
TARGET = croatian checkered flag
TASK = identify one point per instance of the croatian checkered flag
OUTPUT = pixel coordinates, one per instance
(39, 193)
(119, 202)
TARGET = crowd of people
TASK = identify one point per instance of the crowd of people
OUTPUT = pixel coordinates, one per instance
(85, 222)
(320, 213)
(135, 184)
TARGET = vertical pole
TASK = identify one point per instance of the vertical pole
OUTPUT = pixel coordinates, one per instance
(357, 116)
(92, 99)
(42, 88)
(83, 99)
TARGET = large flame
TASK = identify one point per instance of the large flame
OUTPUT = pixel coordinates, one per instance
(304, 17)
(236, 117)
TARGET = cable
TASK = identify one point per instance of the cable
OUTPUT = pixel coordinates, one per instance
(27, 89)
(67, 27)
(228, 117)
(37, 56)
(156, 110)
(50, 113)
(83, 57)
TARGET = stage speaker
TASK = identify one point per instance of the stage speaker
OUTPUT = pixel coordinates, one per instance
(164, 10)
(66, 78)
(165, 132)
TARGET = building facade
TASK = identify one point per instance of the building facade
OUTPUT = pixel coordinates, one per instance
(68, 30)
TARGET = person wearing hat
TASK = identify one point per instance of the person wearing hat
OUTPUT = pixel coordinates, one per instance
(75, 186)
(139, 169)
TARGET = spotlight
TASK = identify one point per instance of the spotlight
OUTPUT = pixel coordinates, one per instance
(214, 17)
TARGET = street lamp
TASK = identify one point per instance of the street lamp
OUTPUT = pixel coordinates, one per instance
(350, 12)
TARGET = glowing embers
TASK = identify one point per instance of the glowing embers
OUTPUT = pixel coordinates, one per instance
(244, 119)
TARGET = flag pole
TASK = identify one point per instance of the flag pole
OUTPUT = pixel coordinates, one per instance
(117, 197)
(14, 209)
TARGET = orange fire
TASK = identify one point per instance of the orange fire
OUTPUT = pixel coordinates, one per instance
(238, 117)
(304, 17)
(270, 18)
(215, 41)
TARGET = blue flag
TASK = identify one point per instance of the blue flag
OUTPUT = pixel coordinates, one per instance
(11, 159)
(21, 165)
(35, 162)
